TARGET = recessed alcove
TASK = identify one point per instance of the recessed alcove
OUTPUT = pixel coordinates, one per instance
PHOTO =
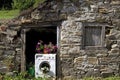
(48, 34)
(30, 37)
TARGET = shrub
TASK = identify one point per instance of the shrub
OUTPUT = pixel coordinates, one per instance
(20, 76)
(22, 4)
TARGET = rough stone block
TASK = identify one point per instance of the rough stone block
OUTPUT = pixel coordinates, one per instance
(1, 52)
(65, 56)
(75, 49)
(11, 32)
(64, 52)
(114, 2)
(111, 37)
(103, 10)
(67, 78)
(67, 71)
(2, 47)
(79, 33)
(74, 40)
(93, 73)
(9, 52)
(63, 42)
(78, 60)
(101, 55)
(3, 28)
(89, 73)
(63, 16)
(92, 60)
(115, 50)
(115, 46)
(104, 60)
(3, 69)
(106, 74)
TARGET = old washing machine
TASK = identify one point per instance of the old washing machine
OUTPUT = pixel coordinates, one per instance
(45, 65)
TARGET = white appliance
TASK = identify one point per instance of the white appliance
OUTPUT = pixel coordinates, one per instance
(45, 65)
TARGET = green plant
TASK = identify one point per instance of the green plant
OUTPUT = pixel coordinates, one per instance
(21, 76)
(25, 4)
(22, 4)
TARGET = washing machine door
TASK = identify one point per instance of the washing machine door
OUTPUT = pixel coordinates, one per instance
(44, 67)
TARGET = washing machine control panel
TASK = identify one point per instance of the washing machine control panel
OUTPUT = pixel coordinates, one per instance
(46, 57)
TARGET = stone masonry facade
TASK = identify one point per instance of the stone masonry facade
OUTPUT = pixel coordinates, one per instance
(79, 62)
(76, 61)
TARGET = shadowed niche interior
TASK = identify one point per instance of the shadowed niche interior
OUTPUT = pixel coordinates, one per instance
(47, 35)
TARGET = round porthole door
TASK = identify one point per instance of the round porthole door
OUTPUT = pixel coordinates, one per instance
(44, 67)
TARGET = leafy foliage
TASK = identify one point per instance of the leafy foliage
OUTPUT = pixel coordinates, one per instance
(22, 4)
(19, 4)
(20, 76)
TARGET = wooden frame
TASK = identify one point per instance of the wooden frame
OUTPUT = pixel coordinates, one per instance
(23, 38)
(102, 25)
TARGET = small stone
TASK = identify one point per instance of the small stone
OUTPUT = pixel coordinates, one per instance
(115, 50)
(92, 60)
(106, 74)
(78, 60)
(3, 69)
(115, 46)
(89, 73)
(114, 2)
(103, 10)
(11, 32)
(3, 28)
(67, 78)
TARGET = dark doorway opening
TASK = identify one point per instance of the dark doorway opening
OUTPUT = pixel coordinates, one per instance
(47, 34)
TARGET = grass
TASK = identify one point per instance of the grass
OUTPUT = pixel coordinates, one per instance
(20, 76)
(8, 14)
(25, 76)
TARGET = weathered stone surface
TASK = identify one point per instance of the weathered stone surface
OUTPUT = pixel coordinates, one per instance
(4, 69)
(93, 73)
(116, 50)
(92, 60)
(11, 32)
(68, 78)
(65, 56)
(9, 52)
(76, 61)
(1, 52)
(106, 74)
(115, 46)
(115, 2)
(3, 27)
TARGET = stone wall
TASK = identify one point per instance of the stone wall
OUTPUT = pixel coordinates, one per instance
(10, 50)
(75, 61)
(78, 62)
